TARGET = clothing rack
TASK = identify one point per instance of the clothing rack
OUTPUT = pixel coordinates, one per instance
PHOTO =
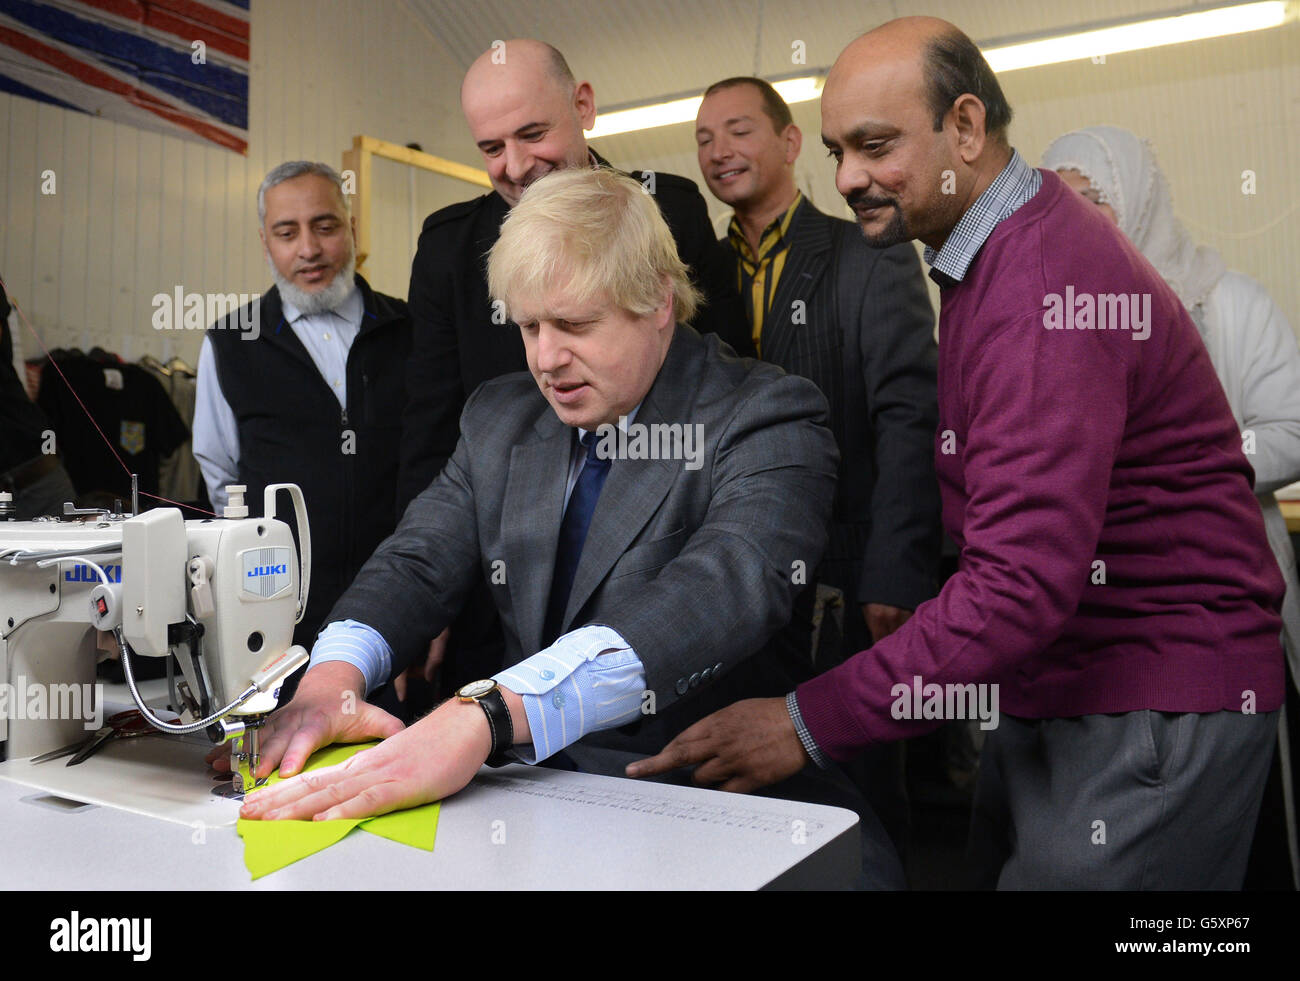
(143, 409)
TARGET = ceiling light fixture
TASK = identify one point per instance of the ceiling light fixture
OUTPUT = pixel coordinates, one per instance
(681, 110)
(1094, 41)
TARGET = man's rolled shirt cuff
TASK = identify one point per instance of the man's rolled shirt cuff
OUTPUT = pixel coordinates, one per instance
(361, 646)
(830, 722)
(588, 680)
(809, 744)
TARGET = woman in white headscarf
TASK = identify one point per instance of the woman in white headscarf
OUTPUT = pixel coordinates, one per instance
(1249, 339)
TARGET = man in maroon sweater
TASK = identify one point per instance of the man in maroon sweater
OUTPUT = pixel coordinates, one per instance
(1115, 595)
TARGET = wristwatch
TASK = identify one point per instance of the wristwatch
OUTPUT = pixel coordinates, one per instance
(487, 694)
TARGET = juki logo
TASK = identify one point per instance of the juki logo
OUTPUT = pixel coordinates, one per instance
(84, 573)
(268, 572)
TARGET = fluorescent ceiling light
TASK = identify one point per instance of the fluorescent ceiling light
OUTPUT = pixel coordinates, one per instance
(684, 110)
(1175, 28)
(1138, 36)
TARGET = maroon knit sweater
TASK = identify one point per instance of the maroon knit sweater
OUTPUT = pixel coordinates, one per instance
(1058, 449)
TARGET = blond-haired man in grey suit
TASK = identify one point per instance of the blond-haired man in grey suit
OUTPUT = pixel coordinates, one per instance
(642, 508)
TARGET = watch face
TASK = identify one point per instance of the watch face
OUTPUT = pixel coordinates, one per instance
(477, 689)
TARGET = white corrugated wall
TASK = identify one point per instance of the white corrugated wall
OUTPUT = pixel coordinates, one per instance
(137, 213)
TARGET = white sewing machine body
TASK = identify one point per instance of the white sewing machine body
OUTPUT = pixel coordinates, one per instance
(221, 595)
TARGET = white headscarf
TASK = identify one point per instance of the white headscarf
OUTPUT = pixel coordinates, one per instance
(1122, 169)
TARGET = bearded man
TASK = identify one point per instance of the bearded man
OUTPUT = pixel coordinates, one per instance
(305, 384)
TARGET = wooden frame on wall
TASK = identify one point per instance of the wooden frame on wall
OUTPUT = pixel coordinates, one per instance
(358, 160)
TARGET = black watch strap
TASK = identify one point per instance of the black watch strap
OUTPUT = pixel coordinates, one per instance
(503, 729)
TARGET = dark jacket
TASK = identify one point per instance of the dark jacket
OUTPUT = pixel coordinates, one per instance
(868, 344)
(292, 430)
(456, 346)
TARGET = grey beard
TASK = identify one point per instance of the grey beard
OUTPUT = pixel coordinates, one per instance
(322, 300)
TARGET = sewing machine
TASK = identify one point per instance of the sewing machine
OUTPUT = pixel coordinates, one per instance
(220, 596)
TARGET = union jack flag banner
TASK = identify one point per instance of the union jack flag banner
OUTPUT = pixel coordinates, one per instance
(175, 66)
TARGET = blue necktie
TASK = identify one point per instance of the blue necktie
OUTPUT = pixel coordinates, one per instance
(573, 534)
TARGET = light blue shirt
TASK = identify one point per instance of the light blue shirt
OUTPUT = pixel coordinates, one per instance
(327, 337)
(588, 680)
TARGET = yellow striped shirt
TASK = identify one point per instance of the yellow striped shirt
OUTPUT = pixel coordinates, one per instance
(758, 275)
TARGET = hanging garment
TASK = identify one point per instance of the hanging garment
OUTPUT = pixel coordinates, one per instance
(179, 478)
(126, 404)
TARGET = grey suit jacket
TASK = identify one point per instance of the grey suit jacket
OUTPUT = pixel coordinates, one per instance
(694, 568)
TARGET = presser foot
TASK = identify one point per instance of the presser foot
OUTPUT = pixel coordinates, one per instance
(244, 760)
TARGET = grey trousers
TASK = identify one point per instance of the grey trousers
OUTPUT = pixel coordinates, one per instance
(1138, 800)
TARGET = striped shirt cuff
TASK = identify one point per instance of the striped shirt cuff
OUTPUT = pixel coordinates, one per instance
(805, 737)
(588, 680)
(361, 646)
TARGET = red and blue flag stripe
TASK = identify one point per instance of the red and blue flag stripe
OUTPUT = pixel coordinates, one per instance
(134, 61)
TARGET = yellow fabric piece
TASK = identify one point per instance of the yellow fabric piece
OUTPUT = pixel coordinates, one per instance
(271, 845)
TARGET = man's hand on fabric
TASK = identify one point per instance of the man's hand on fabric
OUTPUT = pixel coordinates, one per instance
(740, 748)
(428, 761)
(883, 620)
(328, 707)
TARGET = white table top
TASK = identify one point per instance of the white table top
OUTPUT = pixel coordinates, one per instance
(516, 828)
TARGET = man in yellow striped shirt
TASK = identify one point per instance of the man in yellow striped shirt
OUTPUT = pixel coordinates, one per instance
(858, 322)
